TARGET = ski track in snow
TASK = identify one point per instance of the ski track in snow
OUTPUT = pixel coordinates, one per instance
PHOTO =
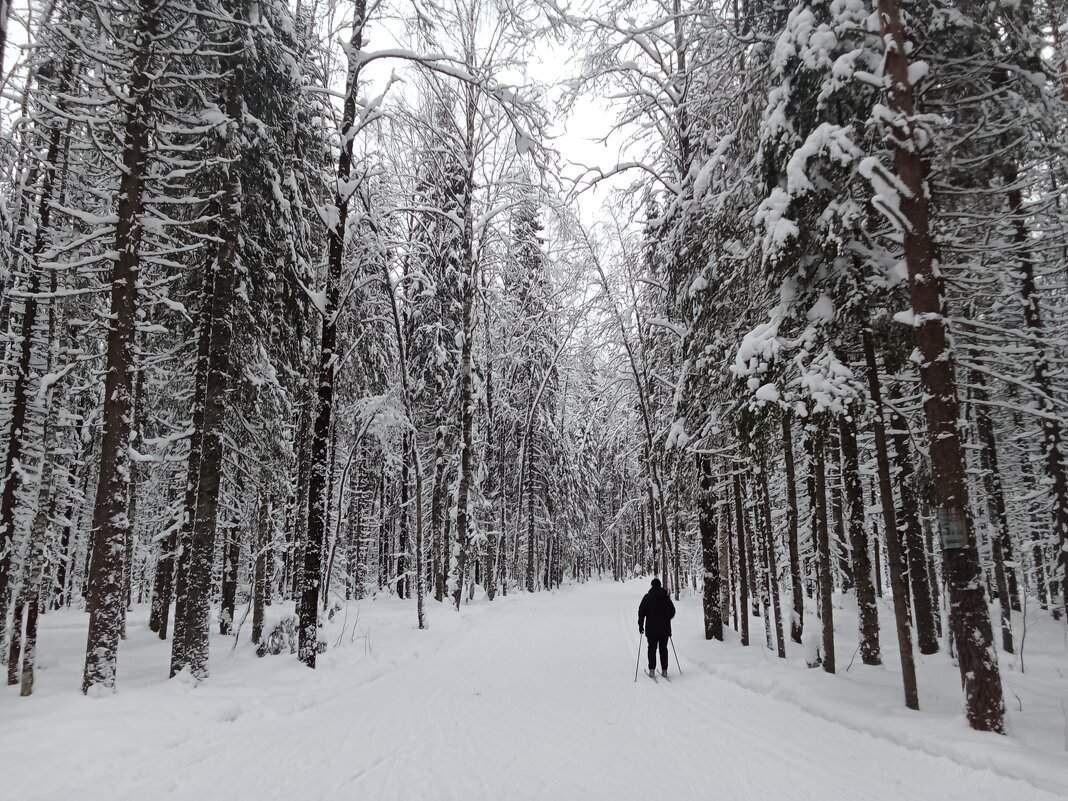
(530, 697)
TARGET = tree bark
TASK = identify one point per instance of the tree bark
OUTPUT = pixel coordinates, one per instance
(919, 576)
(707, 522)
(969, 614)
(322, 410)
(191, 632)
(163, 590)
(1000, 541)
(894, 540)
(743, 568)
(16, 430)
(770, 561)
(437, 504)
(797, 614)
(818, 505)
(228, 597)
(868, 619)
(1052, 434)
(105, 601)
(261, 555)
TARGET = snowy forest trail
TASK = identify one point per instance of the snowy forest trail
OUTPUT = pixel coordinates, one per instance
(530, 697)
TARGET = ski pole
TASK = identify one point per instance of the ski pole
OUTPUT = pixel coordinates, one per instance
(639, 659)
(672, 641)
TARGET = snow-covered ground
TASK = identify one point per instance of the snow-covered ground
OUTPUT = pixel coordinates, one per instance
(527, 697)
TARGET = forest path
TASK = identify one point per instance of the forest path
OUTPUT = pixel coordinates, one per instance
(530, 697)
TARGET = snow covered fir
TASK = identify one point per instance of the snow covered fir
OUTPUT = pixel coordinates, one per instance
(469, 399)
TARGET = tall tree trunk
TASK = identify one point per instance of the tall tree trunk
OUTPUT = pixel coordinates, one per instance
(1052, 434)
(969, 615)
(814, 447)
(163, 587)
(894, 541)
(12, 478)
(323, 408)
(1001, 543)
(14, 651)
(762, 585)
(868, 620)
(652, 529)
(755, 595)
(105, 601)
(403, 562)
(184, 536)
(797, 613)
(41, 527)
(923, 604)
(354, 530)
(228, 597)
(743, 568)
(467, 400)
(770, 560)
(437, 504)
(728, 601)
(189, 649)
(710, 556)
(303, 479)
(261, 553)
(840, 544)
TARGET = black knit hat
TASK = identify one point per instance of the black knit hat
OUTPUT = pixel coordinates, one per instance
(655, 583)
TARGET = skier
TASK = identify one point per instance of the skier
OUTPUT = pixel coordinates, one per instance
(654, 621)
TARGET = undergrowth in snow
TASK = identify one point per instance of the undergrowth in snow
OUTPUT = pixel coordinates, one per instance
(527, 697)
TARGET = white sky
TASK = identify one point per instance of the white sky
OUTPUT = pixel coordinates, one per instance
(575, 136)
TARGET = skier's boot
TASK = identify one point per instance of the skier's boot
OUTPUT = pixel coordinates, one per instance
(663, 672)
(652, 673)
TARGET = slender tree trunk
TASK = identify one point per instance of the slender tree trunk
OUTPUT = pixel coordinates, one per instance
(333, 522)
(530, 535)
(969, 615)
(354, 530)
(771, 561)
(762, 583)
(919, 576)
(707, 522)
(894, 541)
(437, 503)
(755, 595)
(403, 563)
(870, 652)
(323, 408)
(743, 568)
(1001, 544)
(652, 529)
(105, 601)
(184, 535)
(467, 401)
(189, 648)
(162, 594)
(728, 603)
(14, 651)
(840, 544)
(12, 478)
(40, 529)
(818, 504)
(1052, 434)
(228, 600)
(797, 614)
(261, 554)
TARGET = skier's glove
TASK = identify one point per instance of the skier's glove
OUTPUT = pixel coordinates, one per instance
(640, 629)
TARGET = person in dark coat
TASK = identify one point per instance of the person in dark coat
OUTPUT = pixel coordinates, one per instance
(654, 620)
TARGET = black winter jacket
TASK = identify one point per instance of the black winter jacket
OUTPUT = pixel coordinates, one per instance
(655, 613)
